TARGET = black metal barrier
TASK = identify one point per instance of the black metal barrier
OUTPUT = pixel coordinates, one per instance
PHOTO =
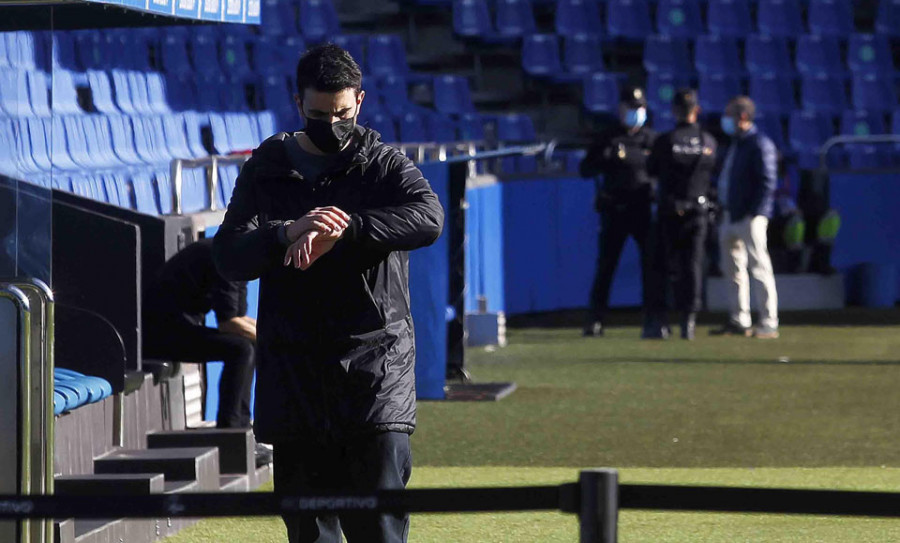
(596, 499)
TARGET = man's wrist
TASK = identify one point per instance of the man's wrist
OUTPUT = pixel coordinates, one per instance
(284, 236)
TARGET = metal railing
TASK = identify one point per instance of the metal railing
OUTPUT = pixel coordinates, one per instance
(850, 140)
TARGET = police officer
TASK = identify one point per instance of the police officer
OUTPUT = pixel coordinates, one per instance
(682, 160)
(623, 199)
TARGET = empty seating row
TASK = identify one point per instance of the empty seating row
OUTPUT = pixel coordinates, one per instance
(72, 389)
(865, 53)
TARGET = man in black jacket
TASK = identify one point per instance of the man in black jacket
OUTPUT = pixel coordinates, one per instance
(325, 218)
(682, 160)
(623, 200)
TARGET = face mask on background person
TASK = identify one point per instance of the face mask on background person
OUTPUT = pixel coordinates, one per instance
(329, 137)
(634, 118)
(728, 125)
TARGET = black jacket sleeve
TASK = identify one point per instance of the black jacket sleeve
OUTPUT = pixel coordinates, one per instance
(596, 161)
(412, 218)
(765, 173)
(657, 156)
(243, 248)
(229, 298)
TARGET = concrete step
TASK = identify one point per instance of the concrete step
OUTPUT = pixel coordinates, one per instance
(200, 464)
(110, 483)
(236, 446)
(234, 483)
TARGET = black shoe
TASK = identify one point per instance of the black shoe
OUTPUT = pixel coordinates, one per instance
(689, 326)
(732, 329)
(264, 454)
(655, 330)
(593, 329)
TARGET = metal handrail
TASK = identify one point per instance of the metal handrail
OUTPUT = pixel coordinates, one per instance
(842, 140)
(20, 301)
(212, 176)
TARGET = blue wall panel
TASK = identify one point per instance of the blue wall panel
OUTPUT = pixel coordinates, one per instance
(484, 247)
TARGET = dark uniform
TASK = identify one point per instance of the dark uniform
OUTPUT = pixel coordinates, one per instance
(682, 160)
(623, 200)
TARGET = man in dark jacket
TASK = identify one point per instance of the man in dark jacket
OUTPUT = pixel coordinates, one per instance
(623, 200)
(746, 192)
(325, 218)
(682, 160)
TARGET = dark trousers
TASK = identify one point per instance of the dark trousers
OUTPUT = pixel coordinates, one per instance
(682, 249)
(186, 343)
(617, 222)
(376, 462)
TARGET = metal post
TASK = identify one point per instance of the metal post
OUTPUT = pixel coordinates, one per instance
(176, 179)
(599, 514)
(212, 180)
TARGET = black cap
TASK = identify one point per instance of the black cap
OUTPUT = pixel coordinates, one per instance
(633, 97)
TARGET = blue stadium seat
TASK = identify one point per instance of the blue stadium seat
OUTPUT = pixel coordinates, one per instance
(149, 147)
(233, 57)
(383, 124)
(318, 20)
(28, 162)
(75, 140)
(729, 18)
(807, 131)
(123, 140)
(662, 121)
(452, 95)
(227, 179)
(157, 93)
(14, 99)
(887, 21)
(679, 18)
(145, 198)
(773, 94)
(870, 53)
(130, 49)
(39, 93)
(205, 55)
(628, 19)
(441, 128)
(174, 54)
(823, 93)
(243, 133)
(4, 56)
(122, 89)
(162, 188)
(59, 149)
(91, 50)
(771, 126)
(717, 55)
(515, 18)
(267, 123)
(665, 54)
(515, 128)
(865, 123)
(65, 93)
(768, 55)
(37, 142)
(355, 44)
(221, 141)
(118, 191)
(210, 91)
(8, 158)
(279, 18)
(27, 50)
(874, 93)
(395, 94)
(63, 52)
(577, 17)
(716, 90)
(276, 94)
(98, 141)
(895, 129)
(471, 127)
(582, 54)
(819, 55)
(862, 123)
(412, 128)
(780, 18)
(471, 18)
(601, 93)
(268, 55)
(541, 56)
(176, 137)
(386, 55)
(661, 89)
(181, 94)
(140, 96)
(832, 18)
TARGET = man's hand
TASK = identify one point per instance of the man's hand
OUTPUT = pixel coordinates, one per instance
(240, 326)
(322, 219)
(310, 247)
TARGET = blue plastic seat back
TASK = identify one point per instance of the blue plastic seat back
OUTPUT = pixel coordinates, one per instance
(819, 55)
(471, 18)
(205, 55)
(729, 18)
(679, 18)
(210, 92)
(870, 53)
(717, 55)
(773, 94)
(384, 125)
(234, 59)
(4, 54)
(143, 142)
(39, 143)
(194, 124)
(103, 139)
(176, 138)
(162, 183)
(441, 128)
(243, 133)
(279, 18)
(75, 139)
(807, 131)
(771, 126)
(661, 88)
(582, 54)
(515, 18)
(628, 19)
(601, 93)
(174, 54)
(355, 44)
(123, 140)
(832, 17)
(276, 93)
(181, 94)
(144, 193)
(270, 56)
(540, 55)
(64, 93)
(194, 190)
(471, 127)
(824, 93)
(63, 52)
(140, 96)
(221, 142)
(452, 95)
(14, 98)
(578, 17)
(665, 54)
(131, 49)
(59, 403)
(157, 93)
(394, 93)
(862, 123)
(386, 55)
(28, 50)
(715, 91)
(267, 123)
(118, 182)
(122, 92)
(227, 179)
(515, 128)
(768, 55)
(412, 128)
(38, 93)
(8, 159)
(887, 20)
(318, 20)
(780, 18)
(874, 92)
(59, 149)
(92, 51)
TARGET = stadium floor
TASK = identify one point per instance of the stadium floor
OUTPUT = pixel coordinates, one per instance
(814, 409)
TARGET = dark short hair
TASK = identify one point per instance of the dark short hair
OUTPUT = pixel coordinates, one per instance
(743, 104)
(328, 68)
(684, 101)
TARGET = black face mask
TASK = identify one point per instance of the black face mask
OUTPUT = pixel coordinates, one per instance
(329, 137)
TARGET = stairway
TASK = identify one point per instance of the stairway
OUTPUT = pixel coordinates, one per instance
(199, 460)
